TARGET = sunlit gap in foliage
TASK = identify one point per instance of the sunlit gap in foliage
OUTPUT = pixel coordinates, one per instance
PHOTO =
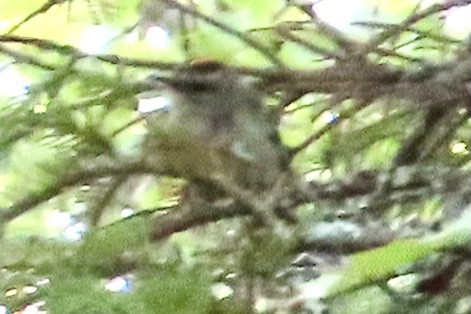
(96, 38)
(4, 309)
(72, 229)
(330, 117)
(119, 284)
(329, 12)
(127, 212)
(457, 21)
(13, 84)
(157, 37)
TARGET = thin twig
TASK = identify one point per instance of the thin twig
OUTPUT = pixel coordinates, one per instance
(412, 19)
(27, 59)
(229, 30)
(76, 53)
(39, 11)
(423, 34)
(178, 220)
(393, 53)
(315, 136)
(71, 51)
(99, 205)
(285, 32)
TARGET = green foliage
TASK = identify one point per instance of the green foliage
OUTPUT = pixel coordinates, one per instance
(265, 253)
(40, 159)
(115, 248)
(369, 300)
(69, 294)
(164, 291)
(374, 265)
(175, 291)
(380, 263)
(80, 112)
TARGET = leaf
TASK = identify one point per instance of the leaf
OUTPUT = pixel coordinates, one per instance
(378, 264)
(74, 293)
(178, 291)
(105, 247)
(381, 263)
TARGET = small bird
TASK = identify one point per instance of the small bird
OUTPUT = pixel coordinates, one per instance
(216, 130)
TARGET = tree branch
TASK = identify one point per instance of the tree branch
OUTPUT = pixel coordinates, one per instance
(74, 178)
(180, 219)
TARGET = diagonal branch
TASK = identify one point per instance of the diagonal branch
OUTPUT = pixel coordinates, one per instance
(77, 54)
(414, 18)
(180, 219)
(27, 59)
(35, 13)
(74, 178)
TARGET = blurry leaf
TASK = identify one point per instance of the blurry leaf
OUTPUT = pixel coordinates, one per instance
(153, 197)
(71, 293)
(380, 263)
(206, 44)
(28, 253)
(106, 247)
(52, 24)
(27, 225)
(266, 254)
(297, 57)
(30, 167)
(357, 137)
(12, 252)
(14, 9)
(381, 153)
(263, 9)
(173, 290)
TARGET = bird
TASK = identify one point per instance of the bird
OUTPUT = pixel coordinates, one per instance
(216, 132)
